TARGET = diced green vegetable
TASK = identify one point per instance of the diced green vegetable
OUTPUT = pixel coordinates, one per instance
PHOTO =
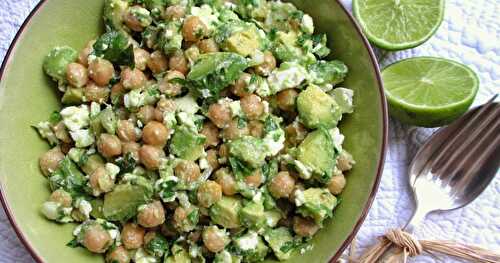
(316, 108)
(121, 204)
(277, 238)
(327, 72)
(226, 212)
(250, 150)
(56, 62)
(318, 204)
(186, 144)
(317, 153)
(115, 47)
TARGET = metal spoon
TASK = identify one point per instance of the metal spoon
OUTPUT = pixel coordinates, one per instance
(457, 163)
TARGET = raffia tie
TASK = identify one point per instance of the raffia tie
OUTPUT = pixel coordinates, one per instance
(412, 247)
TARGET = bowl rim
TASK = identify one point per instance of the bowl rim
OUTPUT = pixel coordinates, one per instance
(380, 165)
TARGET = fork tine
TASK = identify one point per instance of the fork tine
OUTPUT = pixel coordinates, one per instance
(480, 152)
(451, 140)
(470, 143)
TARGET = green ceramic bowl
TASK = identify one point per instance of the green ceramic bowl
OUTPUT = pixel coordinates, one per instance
(27, 96)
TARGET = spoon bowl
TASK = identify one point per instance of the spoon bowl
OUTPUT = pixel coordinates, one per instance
(457, 163)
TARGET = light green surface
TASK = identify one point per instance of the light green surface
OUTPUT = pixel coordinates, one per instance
(429, 92)
(28, 96)
(399, 24)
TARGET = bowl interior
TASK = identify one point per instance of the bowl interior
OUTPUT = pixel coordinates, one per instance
(28, 96)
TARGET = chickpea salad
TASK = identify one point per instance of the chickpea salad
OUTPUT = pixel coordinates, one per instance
(195, 131)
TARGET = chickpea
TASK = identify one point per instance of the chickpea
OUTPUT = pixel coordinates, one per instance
(62, 197)
(286, 99)
(168, 86)
(304, 227)
(83, 56)
(219, 114)
(100, 181)
(126, 131)
(157, 62)
(187, 171)
(256, 128)
(226, 180)
(174, 12)
(212, 159)
(76, 74)
(240, 86)
(141, 58)
(50, 160)
(252, 106)
(193, 29)
(118, 255)
(133, 22)
(61, 133)
(224, 151)
(146, 114)
(155, 133)
(117, 92)
(211, 133)
(337, 184)
(295, 133)
(164, 105)
(209, 193)
(132, 78)
(132, 236)
(109, 145)
(282, 185)
(151, 215)
(96, 239)
(150, 156)
(101, 71)
(178, 62)
(254, 180)
(234, 131)
(96, 93)
(269, 64)
(214, 239)
(181, 220)
(345, 161)
(132, 148)
(208, 45)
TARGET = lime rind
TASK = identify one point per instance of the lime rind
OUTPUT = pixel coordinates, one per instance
(391, 46)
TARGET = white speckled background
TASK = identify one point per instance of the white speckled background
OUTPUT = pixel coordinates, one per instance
(470, 34)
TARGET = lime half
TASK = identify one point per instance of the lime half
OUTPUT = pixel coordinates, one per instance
(429, 92)
(399, 24)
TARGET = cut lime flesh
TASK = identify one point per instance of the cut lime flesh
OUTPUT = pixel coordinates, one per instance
(399, 24)
(429, 92)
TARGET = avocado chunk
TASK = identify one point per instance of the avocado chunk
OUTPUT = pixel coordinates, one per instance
(317, 153)
(72, 96)
(91, 163)
(318, 204)
(226, 212)
(226, 257)
(316, 108)
(252, 214)
(215, 71)
(114, 12)
(251, 247)
(187, 144)
(278, 238)
(328, 72)
(244, 42)
(272, 217)
(121, 204)
(179, 255)
(56, 62)
(250, 150)
(96, 208)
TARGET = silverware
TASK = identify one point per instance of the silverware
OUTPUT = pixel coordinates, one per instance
(457, 163)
